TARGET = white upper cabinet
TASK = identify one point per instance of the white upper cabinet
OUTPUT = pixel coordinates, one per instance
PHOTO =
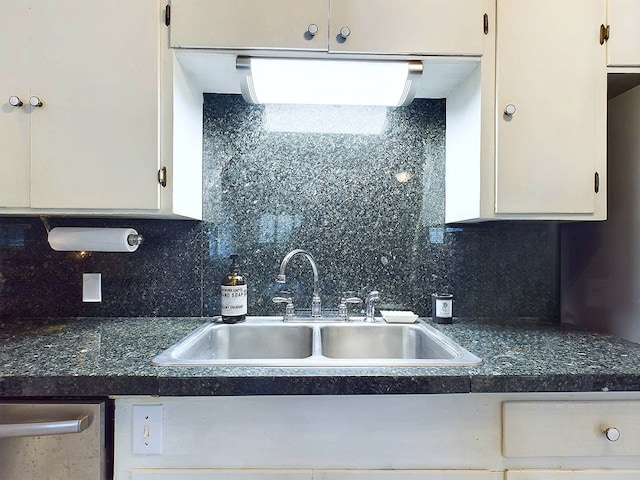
(550, 108)
(273, 24)
(429, 27)
(623, 45)
(526, 133)
(85, 135)
(14, 119)
(94, 140)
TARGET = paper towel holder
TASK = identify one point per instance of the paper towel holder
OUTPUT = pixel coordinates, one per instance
(133, 239)
(45, 222)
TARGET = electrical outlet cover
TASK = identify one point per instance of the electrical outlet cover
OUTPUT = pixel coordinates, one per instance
(91, 287)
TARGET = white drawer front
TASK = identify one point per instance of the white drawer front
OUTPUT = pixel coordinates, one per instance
(570, 428)
(573, 475)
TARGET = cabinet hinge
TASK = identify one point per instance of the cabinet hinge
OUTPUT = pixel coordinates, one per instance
(162, 176)
(604, 33)
(485, 23)
(167, 15)
(596, 182)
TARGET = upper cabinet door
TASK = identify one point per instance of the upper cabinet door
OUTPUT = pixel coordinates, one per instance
(252, 24)
(551, 76)
(623, 46)
(14, 119)
(429, 27)
(94, 140)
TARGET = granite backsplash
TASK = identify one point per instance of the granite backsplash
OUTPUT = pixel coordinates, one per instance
(362, 189)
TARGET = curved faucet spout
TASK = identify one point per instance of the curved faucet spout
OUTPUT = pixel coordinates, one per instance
(316, 309)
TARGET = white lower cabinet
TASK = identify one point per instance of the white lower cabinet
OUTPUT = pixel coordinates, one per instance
(220, 474)
(249, 474)
(527, 436)
(406, 475)
(332, 437)
(573, 475)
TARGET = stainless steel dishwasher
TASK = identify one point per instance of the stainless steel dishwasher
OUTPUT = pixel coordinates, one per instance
(57, 441)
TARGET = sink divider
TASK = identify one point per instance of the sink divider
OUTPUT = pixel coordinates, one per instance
(316, 345)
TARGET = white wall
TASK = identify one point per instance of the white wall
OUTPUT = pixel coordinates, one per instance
(601, 263)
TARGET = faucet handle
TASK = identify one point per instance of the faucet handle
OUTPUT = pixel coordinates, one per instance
(349, 296)
(353, 300)
(343, 309)
(285, 297)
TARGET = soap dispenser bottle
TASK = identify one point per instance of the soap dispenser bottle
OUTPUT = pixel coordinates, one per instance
(234, 294)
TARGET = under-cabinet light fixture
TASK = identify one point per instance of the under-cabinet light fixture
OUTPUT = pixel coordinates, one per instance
(328, 82)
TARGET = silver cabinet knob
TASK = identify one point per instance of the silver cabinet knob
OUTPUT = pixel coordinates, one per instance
(510, 109)
(15, 101)
(312, 29)
(612, 434)
(345, 32)
(35, 101)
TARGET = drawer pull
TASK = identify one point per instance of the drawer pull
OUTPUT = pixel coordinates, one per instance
(612, 434)
(44, 428)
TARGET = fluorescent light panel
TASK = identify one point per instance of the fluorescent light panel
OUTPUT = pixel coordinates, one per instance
(328, 82)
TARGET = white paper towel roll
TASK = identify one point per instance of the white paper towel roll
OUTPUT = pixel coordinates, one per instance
(76, 239)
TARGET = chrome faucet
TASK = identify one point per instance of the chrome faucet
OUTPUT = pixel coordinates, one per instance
(370, 309)
(316, 308)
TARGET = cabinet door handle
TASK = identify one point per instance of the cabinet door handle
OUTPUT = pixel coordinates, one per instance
(162, 176)
(15, 101)
(312, 30)
(509, 110)
(35, 101)
(604, 33)
(344, 33)
(612, 434)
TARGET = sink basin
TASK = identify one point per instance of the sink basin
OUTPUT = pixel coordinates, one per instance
(383, 341)
(219, 342)
(268, 341)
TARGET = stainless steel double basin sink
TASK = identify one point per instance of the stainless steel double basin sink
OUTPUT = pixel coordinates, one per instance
(268, 341)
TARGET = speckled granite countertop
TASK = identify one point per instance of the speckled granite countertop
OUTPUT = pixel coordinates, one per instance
(110, 356)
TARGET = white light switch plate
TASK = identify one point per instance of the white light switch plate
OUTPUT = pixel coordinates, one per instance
(147, 429)
(91, 287)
